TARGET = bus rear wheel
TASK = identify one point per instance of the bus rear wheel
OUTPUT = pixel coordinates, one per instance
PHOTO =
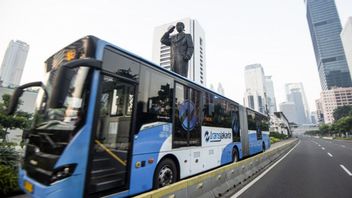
(165, 174)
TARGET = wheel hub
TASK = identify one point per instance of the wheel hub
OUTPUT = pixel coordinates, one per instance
(165, 176)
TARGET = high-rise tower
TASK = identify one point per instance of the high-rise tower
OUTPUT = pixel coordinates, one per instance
(255, 94)
(295, 94)
(325, 28)
(346, 37)
(13, 63)
(270, 95)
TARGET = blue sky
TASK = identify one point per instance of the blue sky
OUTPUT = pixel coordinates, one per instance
(273, 33)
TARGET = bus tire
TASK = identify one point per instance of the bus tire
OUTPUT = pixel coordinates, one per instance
(165, 173)
(234, 155)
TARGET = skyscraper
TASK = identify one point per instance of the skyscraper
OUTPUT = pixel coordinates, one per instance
(289, 109)
(220, 89)
(325, 28)
(255, 94)
(346, 37)
(197, 64)
(270, 95)
(295, 94)
(13, 63)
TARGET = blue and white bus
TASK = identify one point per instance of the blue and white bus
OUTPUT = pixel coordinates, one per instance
(109, 123)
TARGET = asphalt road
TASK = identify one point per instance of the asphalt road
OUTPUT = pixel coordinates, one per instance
(314, 168)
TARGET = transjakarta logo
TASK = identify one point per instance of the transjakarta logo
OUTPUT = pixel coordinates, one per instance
(216, 136)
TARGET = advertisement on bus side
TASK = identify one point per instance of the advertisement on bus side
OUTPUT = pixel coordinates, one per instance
(212, 136)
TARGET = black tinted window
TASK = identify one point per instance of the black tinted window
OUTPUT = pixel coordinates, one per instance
(154, 98)
(181, 123)
(251, 120)
(235, 122)
(187, 130)
(117, 63)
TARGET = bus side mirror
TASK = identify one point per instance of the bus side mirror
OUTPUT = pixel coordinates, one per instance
(18, 93)
(14, 101)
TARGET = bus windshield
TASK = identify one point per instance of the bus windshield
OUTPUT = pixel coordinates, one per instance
(62, 107)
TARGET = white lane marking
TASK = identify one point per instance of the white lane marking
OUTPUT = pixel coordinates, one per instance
(262, 175)
(319, 145)
(343, 146)
(329, 154)
(322, 148)
(346, 170)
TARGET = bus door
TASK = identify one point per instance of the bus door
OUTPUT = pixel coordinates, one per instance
(112, 142)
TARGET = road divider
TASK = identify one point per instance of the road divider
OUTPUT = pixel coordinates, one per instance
(218, 182)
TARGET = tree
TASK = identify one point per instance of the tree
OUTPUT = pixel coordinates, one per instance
(342, 111)
(325, 129)
(20, 120)
(344, 124)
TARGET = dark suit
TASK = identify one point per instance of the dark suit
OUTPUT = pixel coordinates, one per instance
(181, 51)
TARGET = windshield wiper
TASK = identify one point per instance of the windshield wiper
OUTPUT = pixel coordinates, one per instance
(47, 138)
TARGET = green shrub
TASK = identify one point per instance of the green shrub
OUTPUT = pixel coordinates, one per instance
(278, 135)
(274, 140)
(8, 156)
(8, 180)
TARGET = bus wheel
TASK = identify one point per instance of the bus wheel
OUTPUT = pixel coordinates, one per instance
(234, 155)
(165, 174)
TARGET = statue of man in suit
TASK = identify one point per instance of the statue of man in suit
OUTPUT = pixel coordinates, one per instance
(181, 48)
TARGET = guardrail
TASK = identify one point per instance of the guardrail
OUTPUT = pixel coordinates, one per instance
(218, 182)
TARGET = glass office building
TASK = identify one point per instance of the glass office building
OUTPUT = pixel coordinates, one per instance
(325, 28)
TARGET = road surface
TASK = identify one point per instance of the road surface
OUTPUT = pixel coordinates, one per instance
(314, 168)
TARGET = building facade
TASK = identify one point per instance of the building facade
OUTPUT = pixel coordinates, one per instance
(295, 93)
(197, 64)
(331, 99)
(255, 93)
(270, 95)
(289, 109)
(280, 124)
(13, 63)
(314, 117)
(346, 37)
(325, 28)
(319, 112)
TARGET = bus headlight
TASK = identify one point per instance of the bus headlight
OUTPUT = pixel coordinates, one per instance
(63, 172)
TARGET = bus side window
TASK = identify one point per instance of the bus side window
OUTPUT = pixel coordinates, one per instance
(265, 124)
(208, 110)
(181, 124)
(195, 125)
(154, 98)
(251, 121)
(258, 122)
(235, 123)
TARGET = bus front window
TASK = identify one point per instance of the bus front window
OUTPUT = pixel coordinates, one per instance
(59, 114)
(64, 105)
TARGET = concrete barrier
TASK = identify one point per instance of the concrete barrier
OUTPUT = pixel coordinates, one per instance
(218, 182)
